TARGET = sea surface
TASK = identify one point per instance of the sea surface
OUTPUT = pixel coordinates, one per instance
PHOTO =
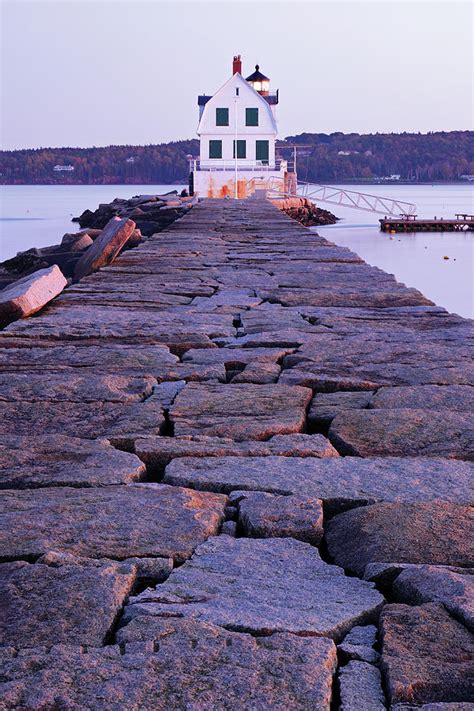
(39, 215)
(417, 259)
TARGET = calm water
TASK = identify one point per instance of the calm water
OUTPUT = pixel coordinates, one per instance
(416, 259)
(38, 216)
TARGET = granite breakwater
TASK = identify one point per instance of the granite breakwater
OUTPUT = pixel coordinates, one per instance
(237, 470)
(150, 214)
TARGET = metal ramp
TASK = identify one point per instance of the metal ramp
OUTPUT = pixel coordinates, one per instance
(342, 197)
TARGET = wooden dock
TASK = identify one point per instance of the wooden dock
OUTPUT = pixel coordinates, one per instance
(410, 223)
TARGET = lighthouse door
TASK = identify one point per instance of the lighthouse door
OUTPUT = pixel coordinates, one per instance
(262, 151)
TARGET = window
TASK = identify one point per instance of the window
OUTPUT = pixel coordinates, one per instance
(222, 117)
(241, 149)
(215, 149)
(262, 151)
(251, 117)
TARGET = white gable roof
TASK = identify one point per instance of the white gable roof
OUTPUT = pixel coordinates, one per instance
(225, 96)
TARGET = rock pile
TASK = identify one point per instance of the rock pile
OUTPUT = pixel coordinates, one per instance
(236, 473)
(107, 232)
(65, 255)
(305, 211)
(151, 213)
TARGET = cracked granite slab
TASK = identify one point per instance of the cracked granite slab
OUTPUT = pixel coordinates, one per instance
(262, 587)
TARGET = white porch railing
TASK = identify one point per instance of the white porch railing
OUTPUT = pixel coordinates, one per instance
(251, 166)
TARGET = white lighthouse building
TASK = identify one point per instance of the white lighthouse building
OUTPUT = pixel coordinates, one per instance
(237, 131)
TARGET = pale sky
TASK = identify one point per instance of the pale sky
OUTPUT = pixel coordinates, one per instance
(100, 72)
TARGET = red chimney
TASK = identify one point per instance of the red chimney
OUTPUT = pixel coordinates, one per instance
(237, 65)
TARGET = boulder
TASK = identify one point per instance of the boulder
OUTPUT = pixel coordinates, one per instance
(263, 515)
(75, 387)
(118, 421)
(71, 603)
(140, 520)
(261, 373)
(113, 324)
(459, 398)
(235, 359)
(426, 655)
(229, 528)
(52, 249)
(435, 533)
(94, 233)
(261, 587)
(359, 645)
(79, 245)
(71, 237)
(404, 432)
(454, 588)
(23, 263)
(55, 460)
(158, 452)
(86, 219)
(325, 406)
(373, 355)
(165, 393)
(360, 687)
(181, 664)
(106, 247)
(347, 296)
(22, 355)
(385, 574)
(341, 482)
(135, 239)
(240, 411)
(28, 295)
(140, 199)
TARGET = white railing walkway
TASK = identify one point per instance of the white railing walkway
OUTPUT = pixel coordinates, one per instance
(340, 196)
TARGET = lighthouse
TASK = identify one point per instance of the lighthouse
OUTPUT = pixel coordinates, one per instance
(237, 132)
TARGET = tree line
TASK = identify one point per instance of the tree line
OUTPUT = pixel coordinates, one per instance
(165, 163)
(443, 155)
(335, 157)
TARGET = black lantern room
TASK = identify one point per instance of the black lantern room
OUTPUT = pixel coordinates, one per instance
(259, 81)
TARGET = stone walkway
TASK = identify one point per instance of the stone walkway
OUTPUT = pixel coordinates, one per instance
(236, 469)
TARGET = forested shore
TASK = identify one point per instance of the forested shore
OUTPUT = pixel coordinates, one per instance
(335, 157)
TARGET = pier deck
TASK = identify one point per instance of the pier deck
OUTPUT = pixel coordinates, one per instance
(411, 223)
(236, 374)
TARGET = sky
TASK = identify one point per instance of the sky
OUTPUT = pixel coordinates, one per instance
(101, 72)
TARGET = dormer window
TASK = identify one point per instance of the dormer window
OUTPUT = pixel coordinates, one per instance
(222, 117)
(251, 117)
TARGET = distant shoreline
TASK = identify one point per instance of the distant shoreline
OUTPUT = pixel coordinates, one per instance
(327, 159)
